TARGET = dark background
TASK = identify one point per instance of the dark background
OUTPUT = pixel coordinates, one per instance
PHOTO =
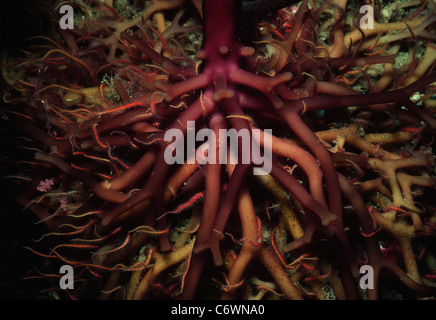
(19, 20)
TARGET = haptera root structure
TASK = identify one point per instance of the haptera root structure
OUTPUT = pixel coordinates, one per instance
(352, 167)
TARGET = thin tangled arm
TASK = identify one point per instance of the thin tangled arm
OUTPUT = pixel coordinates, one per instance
(352, 165)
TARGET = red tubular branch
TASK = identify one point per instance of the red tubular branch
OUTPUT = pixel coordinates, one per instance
(226, 207)
(376, 258)
(309, 138)
(158, 175)
(96, 187)
(303, 159)
(294, 187)
(210, 210)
